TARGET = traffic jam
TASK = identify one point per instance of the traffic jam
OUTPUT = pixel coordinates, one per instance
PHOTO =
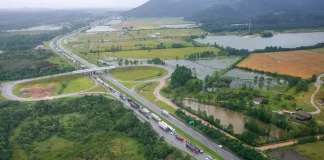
(144, 111)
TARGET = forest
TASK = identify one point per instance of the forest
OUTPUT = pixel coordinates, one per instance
(20, 61)
(86, 128)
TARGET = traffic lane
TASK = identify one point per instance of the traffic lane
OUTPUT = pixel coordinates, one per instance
(209, 143)
(168, 137)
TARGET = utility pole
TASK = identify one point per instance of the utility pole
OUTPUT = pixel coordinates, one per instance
(250, 26)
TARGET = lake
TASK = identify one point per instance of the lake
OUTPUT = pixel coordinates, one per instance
(287, 40)
(227, 117)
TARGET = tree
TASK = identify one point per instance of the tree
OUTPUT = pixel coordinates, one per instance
(314, 78)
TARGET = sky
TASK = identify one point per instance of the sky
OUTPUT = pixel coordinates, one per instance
(65, 4)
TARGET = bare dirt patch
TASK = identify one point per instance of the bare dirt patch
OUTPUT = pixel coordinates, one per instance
(38, 91)
(296, 63)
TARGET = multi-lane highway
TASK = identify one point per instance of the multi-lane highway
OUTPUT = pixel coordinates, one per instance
(208, 142)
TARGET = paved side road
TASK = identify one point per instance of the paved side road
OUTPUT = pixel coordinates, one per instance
(208, 142)
(318, 87)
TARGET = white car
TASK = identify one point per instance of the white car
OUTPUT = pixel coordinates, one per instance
(220, 146)
(209, 158)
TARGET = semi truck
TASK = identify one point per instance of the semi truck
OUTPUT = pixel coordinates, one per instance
(145, 112)
(155, 117)
(163, 125)
(134, 105)
(192, 147)
(164, 112)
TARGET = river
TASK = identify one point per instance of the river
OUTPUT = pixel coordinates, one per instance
(287, 40)
(227, 117)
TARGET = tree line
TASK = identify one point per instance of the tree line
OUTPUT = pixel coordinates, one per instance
(198, 55)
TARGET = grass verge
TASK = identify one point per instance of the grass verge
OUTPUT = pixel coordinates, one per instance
(138, 73)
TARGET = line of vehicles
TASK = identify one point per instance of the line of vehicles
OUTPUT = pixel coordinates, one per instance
(144, 111)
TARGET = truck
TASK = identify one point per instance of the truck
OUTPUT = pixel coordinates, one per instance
(171, 129)
(155, 117)
(100, 80)
(145, 112)
(106, 85)
(192, 147)
(163, 125)
(164, 112)
(122, 97)
(134, 105)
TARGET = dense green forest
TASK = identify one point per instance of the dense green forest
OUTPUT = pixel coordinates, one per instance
(264, 14)
(90, 127)
(20, 61)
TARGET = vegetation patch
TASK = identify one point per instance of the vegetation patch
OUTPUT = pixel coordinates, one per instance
(319, 50)
(53, 86)
(138, 73)
(78, 128)
(161, 53)
(99, 88)
(296, 63)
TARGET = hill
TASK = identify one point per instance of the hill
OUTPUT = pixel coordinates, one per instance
(172, 8)
(265, 14)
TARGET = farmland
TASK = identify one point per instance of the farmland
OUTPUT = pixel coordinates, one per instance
(136, 45)
(53, 86)
(138, 73)
(162, 53)
(296, 63)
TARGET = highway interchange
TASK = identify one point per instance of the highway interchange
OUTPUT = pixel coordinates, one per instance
(226, 154)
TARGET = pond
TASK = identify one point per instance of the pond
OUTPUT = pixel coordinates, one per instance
(227, 117)
(287, 40)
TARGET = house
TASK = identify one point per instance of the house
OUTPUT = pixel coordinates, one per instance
(302, 116)
(257, 100)
(1, 51)
(40, 47)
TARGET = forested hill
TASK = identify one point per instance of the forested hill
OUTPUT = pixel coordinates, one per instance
(172, 8)
(265, 14)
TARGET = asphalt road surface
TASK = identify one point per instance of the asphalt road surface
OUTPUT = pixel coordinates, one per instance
(208, 142)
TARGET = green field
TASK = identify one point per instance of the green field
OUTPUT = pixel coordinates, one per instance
(135, 44)
(161, 53)
(129, 85)
(55, 86)
(146, 90)
(168, 32)
(99, 88)
(138, 73)
(319, 50)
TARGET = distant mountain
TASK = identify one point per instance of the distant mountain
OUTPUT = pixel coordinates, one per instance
(173, 8)
(265, 14)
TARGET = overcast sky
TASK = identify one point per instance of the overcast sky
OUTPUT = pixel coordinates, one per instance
(71, 3)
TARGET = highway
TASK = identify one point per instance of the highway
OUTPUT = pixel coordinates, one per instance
(208, 142)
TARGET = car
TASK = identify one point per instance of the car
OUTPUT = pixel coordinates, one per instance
(220, 146)
(209, 158)
(179, 137)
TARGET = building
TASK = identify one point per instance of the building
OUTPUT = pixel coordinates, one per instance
(1, 51)
(40, 47)
(257, 100)
(302, 116)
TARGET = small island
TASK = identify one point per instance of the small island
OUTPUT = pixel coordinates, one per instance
(266, 34)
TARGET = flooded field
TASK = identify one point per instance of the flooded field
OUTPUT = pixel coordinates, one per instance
(289, 154)
(226, 116)
(180, 26)
(101, 29)
(204, 67)
(287, 40)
